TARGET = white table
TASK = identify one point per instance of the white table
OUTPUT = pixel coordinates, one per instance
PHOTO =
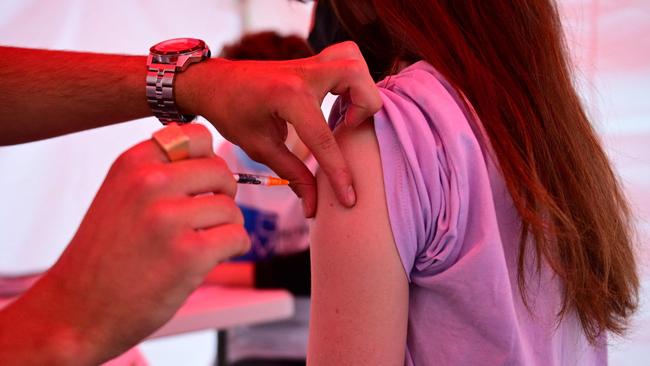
(216, 307)
(219, 308)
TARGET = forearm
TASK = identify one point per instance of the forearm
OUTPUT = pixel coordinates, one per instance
(51, 93)
(31, 333)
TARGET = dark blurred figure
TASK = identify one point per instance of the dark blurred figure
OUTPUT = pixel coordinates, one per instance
(267, 46)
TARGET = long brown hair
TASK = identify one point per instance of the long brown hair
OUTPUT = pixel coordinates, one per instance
(508, 58)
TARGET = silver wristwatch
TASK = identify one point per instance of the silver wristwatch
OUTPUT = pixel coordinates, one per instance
(166, 59)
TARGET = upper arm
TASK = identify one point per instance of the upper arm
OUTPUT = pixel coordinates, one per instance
(359, 287)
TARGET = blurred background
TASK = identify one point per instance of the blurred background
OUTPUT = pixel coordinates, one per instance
(54, 181)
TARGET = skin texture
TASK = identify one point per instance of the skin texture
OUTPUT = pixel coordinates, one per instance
(249, 103)
(359, 287)
(111, 288)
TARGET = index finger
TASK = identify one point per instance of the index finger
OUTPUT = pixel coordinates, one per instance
(314, 132)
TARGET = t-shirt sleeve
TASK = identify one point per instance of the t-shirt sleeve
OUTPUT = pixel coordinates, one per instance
(423, 140)
(431, 163)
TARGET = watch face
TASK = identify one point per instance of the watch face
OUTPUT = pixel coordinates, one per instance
(177, 46)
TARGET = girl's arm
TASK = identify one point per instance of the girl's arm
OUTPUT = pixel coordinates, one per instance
(359, 287)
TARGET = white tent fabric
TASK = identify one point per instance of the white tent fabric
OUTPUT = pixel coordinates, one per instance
(46, 187)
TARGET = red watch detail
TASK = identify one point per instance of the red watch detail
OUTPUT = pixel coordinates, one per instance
(165, 60)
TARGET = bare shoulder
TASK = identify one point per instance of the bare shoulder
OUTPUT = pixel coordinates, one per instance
(355, 265)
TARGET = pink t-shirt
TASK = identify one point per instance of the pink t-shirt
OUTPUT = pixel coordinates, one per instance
(457, 234)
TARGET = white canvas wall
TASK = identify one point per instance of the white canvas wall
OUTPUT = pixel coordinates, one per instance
(45, 187)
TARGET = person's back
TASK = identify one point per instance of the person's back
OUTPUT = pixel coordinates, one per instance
(479, 236)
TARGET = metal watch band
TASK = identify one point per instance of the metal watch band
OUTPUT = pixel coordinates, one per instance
(160, 94)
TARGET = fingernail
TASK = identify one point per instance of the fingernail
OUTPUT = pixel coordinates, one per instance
(351, 196)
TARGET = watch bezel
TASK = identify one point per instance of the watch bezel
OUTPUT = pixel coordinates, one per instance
(200, 44)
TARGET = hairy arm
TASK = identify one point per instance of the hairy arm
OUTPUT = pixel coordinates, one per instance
(51, 93)
(359, 288)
